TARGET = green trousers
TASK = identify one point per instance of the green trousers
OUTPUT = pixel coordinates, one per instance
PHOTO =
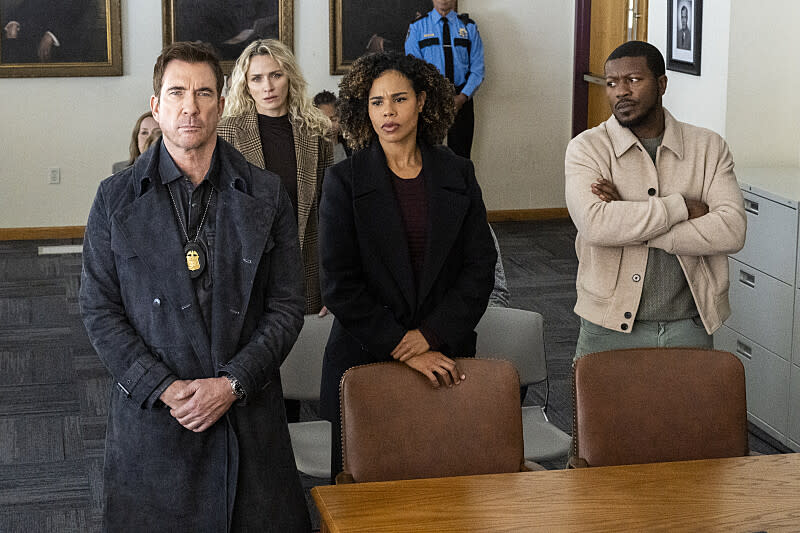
(687, 333)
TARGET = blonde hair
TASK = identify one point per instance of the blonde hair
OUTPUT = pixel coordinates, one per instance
(301, 109)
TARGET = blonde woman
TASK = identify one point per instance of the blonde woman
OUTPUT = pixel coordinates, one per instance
(271, 120)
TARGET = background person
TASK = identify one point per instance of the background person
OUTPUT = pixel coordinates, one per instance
(452, 43)
(145, 124)
(325, 101)
(407, 257)
(270, 119)
(152, 138)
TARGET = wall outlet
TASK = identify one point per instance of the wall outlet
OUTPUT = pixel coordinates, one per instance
(54, 175)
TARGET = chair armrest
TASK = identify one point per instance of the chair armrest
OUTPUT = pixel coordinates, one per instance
(530, 466)
(344, 478)
(576, 462)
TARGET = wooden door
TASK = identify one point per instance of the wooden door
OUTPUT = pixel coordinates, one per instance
(611, 23)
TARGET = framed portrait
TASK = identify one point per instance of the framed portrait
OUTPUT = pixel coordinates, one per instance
(361, 26)
(42, 38)
(228, 25)
(684, 33)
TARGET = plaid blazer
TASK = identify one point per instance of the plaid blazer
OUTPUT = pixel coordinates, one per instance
(314, 154)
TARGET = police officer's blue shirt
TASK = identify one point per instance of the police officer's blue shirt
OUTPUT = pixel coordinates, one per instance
(425, 42)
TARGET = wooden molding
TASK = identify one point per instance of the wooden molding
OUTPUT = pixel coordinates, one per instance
(38, 234)
(521, 215)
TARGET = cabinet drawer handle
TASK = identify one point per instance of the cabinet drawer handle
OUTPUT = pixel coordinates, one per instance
(747, 279)
(751, 207)
(744, 350)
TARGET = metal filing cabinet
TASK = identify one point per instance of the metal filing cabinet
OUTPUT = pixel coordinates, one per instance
(764, 327)
(794, 407)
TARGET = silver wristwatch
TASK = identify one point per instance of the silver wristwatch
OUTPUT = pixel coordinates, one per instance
(236, 387)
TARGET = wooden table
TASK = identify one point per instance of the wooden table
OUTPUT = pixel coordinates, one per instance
(760, 493)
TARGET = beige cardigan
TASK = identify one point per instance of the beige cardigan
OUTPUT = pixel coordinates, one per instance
(613, 238)
(314, 154)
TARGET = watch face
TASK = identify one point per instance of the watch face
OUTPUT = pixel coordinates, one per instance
(237, 388)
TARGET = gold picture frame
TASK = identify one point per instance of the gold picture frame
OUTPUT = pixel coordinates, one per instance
(228, 29)
(361, 26)
(45, 38)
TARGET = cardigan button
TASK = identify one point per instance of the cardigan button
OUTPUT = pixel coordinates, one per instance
(651, 191)
(627, 314)
(157, 302)
(636, 278)
(624, 327)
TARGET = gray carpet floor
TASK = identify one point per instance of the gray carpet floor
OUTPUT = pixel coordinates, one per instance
(54, 390)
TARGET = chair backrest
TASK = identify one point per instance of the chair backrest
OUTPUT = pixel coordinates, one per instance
(658, 404)
(395, 425)
(301, 371)
(517, 336)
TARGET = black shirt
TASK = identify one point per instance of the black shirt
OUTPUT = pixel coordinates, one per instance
(196, 205)
(277, 145)
(413, 202)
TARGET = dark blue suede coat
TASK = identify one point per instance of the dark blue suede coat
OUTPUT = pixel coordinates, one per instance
(143, 319)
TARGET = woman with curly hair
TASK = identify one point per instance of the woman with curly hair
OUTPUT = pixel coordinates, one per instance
(271, 120)
(406, 254)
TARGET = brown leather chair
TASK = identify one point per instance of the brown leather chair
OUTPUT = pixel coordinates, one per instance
(395, 425)
(658, 404)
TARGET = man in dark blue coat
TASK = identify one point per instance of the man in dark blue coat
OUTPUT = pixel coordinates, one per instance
(192, 295)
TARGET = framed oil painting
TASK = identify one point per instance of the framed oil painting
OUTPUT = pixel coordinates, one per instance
(228, 25)
(42, 38)
(684, 35)
(361, 26)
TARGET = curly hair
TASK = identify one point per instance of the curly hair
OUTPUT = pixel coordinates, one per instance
(435, 118)
(301, 111)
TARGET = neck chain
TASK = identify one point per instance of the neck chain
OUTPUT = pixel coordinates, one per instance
(194, 251)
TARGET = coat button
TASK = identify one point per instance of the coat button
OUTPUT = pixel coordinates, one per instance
(156, 302)
(651, 191)
(627, 314)
(636, 278)
(624, 327)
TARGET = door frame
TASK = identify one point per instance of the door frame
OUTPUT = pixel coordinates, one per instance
(580, 88)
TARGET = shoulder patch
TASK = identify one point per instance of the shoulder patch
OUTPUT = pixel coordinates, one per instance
(419, 17)
(465, 18)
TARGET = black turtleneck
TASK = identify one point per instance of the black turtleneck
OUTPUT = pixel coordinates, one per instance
(277, 144)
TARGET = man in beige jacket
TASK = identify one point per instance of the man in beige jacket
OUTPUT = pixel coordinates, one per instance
(657, 208)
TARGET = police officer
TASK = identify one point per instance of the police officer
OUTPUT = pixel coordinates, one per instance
(451, 42)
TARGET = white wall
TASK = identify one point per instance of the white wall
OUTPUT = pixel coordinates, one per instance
(764, 76)
(524, 107)
(82, 125)
(749, 79)
(311, 44)
(698, 100)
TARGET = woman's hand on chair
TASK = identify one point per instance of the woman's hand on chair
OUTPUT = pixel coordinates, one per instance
(436, 367)
(412, 344)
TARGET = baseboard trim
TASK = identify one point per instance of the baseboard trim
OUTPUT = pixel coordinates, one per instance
(40, 234)
(521, 215)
